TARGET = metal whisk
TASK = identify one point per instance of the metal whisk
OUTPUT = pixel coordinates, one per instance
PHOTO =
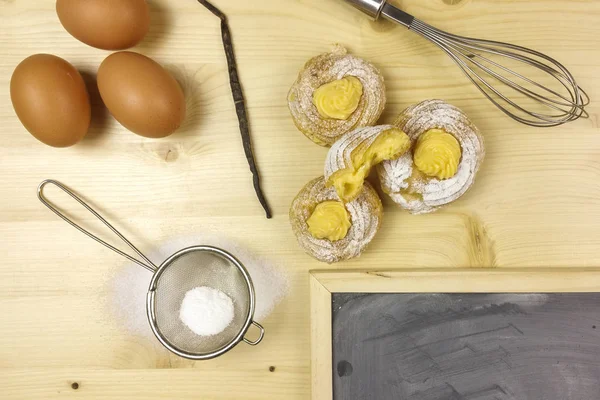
(550, 99)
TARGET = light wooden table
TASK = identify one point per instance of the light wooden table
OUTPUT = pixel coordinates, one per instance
(536, 202)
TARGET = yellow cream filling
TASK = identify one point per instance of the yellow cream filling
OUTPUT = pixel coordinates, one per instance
(330, 220)
(389, 145)
(338, 99)
(437, 154)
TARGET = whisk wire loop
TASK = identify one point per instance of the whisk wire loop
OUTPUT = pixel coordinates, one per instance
(554, 104)
(487, 45)
(460, 47)
(468, 54)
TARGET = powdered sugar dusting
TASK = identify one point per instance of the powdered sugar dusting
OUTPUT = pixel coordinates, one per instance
(324, 69)
(339, 156)
(129, 286)
(395, 175)
(365, 214)
(206, 311)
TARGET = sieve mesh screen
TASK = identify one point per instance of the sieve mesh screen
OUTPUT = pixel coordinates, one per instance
(186, 272)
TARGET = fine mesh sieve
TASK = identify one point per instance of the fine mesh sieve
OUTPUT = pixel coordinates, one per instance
(187, 269)
(193, 267)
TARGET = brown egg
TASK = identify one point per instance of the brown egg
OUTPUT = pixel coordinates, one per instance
(51, 100)
(141, 94)
(105, 24)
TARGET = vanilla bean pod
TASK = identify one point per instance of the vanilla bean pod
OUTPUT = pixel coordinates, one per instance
(238, 99)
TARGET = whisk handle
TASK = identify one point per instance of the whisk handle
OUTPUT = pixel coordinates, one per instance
(370, 7)
(395, 14)
(381, 8)
(149, 265)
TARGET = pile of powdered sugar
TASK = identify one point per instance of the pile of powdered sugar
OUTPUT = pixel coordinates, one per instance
(206, 311)
(129, 286)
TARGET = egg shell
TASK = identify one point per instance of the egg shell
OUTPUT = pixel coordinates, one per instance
(141, 94)
(105, 24)
(51, 100)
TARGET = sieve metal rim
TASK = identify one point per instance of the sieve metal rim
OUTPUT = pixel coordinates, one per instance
(151, 304)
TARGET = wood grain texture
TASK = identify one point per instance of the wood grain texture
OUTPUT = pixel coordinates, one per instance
(536, 201)
(461, 280)
(320, 327)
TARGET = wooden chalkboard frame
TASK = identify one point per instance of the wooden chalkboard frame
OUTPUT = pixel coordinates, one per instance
(325, 282)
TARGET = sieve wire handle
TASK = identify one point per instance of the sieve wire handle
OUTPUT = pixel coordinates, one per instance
(260, 337)
(149, 265)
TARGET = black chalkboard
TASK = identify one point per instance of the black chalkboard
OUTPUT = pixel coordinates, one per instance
(466, 346)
